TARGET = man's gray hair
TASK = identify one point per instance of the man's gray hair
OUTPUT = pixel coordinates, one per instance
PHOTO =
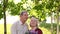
(23, 11)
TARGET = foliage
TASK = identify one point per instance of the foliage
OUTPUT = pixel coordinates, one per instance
(48, 26)
(1, 11)
(43, 7)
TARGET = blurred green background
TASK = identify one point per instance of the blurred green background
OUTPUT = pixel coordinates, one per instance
(47, 11)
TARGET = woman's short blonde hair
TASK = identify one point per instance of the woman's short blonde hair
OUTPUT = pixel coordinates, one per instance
(36, 20)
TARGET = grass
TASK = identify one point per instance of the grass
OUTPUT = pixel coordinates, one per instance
(45, 31)
(2, 28)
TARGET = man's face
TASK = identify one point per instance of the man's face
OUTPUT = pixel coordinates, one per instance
(25, 16)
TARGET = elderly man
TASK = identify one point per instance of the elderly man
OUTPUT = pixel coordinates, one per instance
(20, 27)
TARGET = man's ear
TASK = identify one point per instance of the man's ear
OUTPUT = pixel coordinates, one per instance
(21, 15)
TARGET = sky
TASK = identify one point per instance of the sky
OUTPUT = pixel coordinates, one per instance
(10, 19)
(17, 1)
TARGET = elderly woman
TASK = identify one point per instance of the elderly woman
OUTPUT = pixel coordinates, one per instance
(34, 26)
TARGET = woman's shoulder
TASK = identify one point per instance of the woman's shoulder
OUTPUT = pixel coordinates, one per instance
(39, 31)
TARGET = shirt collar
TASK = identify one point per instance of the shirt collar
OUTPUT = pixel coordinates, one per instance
(20, 22)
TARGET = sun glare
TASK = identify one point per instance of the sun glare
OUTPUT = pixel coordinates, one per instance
(17, 1)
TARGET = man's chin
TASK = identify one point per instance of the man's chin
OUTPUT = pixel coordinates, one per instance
(25, 20)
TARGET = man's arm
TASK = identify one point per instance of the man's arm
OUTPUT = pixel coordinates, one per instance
(13, 29)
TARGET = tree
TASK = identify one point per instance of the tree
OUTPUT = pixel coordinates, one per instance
(4, 10)
(58, 8)
(38, 8)
(1, 10)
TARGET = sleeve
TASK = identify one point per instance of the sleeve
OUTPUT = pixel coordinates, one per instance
(13, 29)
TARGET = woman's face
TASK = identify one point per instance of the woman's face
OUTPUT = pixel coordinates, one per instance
(33, 22)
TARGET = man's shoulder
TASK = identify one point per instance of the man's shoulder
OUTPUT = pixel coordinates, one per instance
(15, 23)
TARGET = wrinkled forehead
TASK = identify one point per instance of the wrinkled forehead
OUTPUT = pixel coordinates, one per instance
(24, 13)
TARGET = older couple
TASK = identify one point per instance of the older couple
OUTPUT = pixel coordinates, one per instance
(20, 27)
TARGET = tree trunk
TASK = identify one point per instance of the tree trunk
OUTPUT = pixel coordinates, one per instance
(57, 22)
(51, 24)
(5, 31)
(4, 11)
